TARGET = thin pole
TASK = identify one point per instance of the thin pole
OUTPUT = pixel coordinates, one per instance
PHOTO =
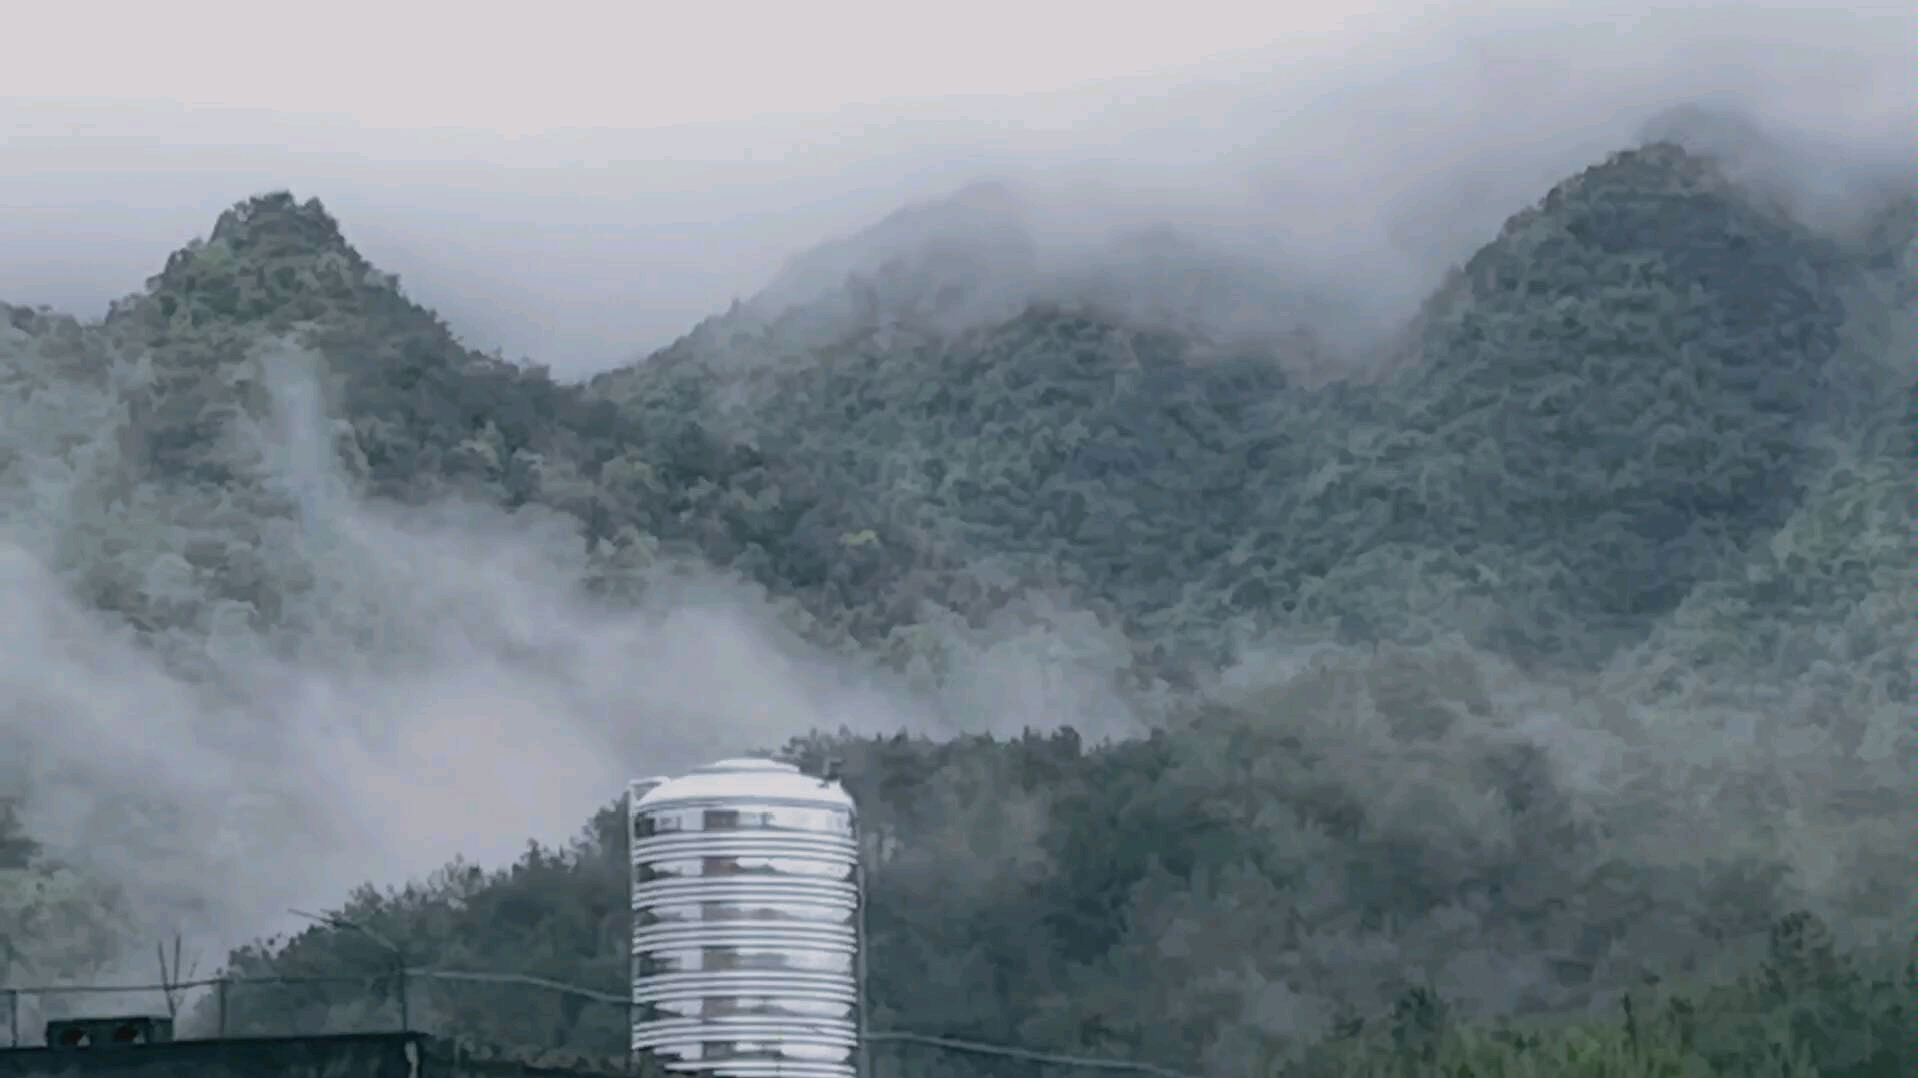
(13, 1018)
(406, 1025)
(219, 993)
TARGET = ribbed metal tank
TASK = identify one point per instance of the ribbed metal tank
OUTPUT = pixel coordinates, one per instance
(745, 891)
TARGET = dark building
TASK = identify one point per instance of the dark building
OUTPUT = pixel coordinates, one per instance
(144, 1048)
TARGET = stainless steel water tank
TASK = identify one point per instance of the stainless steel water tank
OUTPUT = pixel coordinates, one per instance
(745, 888)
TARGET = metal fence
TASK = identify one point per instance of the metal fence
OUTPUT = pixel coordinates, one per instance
(405, 981)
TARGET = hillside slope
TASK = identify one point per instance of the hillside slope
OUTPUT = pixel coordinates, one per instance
(1612, 403)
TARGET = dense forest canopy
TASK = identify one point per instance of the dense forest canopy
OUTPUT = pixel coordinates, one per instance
(1552, 656)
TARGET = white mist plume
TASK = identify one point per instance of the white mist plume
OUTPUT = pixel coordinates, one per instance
(435, 684)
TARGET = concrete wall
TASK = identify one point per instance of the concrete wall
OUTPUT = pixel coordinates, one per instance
(369, 1055)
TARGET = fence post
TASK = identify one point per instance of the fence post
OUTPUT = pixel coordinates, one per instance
(406, 1025)
(219, 994)
(13, 1018)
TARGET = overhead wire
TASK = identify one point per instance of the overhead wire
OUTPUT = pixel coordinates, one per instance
(952, 1044)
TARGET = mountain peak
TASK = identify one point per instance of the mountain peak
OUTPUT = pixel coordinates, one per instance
(1661, 201)
(983, 224)
(1652, 171)
(269, 257)
(276, 223)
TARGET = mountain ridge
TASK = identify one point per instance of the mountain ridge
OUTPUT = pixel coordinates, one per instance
(276, 264)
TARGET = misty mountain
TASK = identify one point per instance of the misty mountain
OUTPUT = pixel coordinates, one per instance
(983, 255)
(1547, 650)
(395, 373)
(1641, 353)
(984, 227)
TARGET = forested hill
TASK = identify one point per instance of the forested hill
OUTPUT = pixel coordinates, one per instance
(1560, 651)
(1614, 399)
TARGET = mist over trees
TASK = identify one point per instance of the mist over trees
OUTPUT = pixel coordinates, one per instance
(1217, 694)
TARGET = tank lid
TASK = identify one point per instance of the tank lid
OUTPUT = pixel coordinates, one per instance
(745, 765)
(639, 787)
(746, 779)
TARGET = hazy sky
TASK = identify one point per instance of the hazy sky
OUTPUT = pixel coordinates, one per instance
(582, 185)
(599, 63)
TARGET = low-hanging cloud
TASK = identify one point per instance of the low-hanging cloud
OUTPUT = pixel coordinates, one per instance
(436, 684)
